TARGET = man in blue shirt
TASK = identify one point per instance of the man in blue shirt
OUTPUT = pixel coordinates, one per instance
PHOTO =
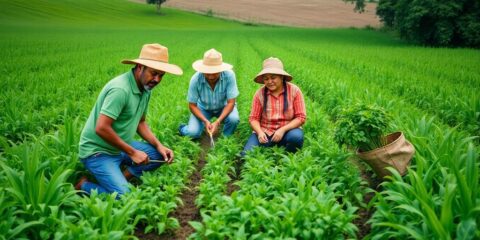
(212, 93)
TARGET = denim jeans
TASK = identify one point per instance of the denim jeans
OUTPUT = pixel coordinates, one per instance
(106, 169)
(292, 141)
(195, 127)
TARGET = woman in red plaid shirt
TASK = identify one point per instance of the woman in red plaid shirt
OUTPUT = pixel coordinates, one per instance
(278, 110)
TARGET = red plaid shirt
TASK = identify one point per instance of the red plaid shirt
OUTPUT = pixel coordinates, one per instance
(274, 117)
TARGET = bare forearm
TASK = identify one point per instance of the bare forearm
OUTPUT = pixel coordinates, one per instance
(144, 131)
(196, 112)
(226, 110)
(111, 137)
(295, 123)
(256, 126)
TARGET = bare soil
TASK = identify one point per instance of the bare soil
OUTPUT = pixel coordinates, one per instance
(299, 13)
(365, 214)
(187, 212)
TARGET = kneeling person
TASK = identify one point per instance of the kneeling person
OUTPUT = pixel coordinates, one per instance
(212, 93)
(107, 142)
(278, 110)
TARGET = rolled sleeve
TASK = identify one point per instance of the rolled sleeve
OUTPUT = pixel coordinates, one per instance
(256, 112)
(232, 89)
(114, 102)
(299, 107)
(193, 94)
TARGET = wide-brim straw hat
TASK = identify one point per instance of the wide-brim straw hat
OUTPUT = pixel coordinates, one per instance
(155, 56)
(272, 65)
(212, 62)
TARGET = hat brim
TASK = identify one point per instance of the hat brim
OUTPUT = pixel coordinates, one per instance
(258, 78)
(200, 67)
(161, 66)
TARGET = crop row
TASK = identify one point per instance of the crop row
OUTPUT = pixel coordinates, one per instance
(446, 159)
(422, 77)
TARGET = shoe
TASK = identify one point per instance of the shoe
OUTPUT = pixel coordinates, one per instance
(80, 182)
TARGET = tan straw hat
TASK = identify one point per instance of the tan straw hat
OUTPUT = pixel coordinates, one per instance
(212, 62)
(273, 66)
(155, 56)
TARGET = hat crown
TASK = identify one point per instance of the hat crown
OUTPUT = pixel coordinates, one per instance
(155, 52)
(272, 62)
(212, 57)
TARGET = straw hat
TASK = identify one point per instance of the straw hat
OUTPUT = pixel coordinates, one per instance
(212, 62)
(273, 66)
(155, 56)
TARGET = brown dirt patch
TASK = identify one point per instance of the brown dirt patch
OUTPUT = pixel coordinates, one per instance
(300, 13)
(365, 214)
(231, 187)
(187, 212)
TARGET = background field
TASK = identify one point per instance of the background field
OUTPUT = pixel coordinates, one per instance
(57, 55)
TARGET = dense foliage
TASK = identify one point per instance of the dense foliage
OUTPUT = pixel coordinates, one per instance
(362, 127)
(437, 23)
(431, 22)
(158, 3)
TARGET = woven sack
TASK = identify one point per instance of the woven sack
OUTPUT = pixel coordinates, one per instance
(397, 154)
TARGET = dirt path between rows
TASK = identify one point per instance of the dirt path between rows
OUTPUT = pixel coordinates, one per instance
(189, 211)
(300, 13)
(365, 214)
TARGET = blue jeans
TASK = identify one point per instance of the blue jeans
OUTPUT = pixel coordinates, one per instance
(195, 126)
(106, 169)
(292, 141)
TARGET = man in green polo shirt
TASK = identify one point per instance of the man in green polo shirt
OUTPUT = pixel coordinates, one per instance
(120, 111)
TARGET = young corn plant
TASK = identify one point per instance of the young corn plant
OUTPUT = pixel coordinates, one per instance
(434, 201)
(100, 217)
(36, 195)
(11, 226)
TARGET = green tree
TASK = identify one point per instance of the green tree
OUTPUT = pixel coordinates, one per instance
(156, 2)
(359, 4)
(431, 22)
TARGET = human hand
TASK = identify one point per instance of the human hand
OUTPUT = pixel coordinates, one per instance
(208, 127)
(214, 127)
(139, 157)
(262, 137)
(167, 154)
(278, 135)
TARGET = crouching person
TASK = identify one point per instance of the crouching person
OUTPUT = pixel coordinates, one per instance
(278, 110)
(106, 141)
(212, 93)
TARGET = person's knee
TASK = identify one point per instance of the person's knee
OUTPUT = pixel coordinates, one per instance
(118, 188)
(233, 120)
(295, 138)
(192, 132)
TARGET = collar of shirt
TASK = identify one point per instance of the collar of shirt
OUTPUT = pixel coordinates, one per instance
(279, 95)
(203, 80)
(133, 83)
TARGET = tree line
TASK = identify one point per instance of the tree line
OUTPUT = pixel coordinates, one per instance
(431, 22)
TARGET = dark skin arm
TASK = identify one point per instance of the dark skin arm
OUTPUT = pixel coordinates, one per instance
(144, 131)
(105, 131)
(278, 135)
(212, 127)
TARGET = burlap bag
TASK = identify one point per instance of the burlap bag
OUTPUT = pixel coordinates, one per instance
(397, 154)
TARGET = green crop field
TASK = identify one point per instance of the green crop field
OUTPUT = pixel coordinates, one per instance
(57, 56)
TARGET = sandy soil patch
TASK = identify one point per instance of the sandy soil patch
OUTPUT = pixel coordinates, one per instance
(300, 13)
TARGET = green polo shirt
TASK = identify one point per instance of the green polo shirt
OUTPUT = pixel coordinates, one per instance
(122, 101)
